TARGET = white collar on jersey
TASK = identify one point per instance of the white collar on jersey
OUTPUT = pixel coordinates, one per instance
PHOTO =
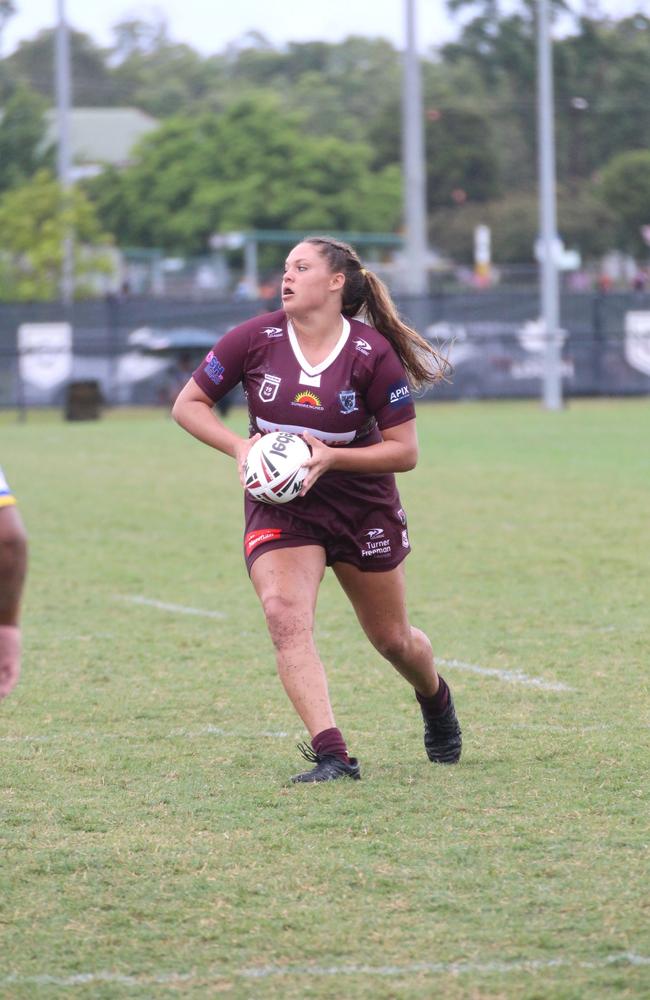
(313, 370)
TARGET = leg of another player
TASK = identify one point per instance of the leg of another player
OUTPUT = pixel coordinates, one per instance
(13, 566)
(286, 581)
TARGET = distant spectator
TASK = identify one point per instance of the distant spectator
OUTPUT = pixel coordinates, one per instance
(269, 291)
(244, 291)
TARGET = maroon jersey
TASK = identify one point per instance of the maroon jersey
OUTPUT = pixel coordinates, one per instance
(360, 387)
(346, 400)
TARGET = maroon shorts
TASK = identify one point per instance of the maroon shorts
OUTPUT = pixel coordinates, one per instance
(355, 519)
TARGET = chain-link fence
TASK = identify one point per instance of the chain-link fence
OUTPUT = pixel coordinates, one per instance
(139, 350)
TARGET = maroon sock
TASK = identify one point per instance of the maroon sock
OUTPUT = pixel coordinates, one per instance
(331, 742)
(435, 705)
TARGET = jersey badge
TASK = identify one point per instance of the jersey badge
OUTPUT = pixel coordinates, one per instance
(362, 345)
(272, 331)
(269, 388)
(306, 398)
(348, 401)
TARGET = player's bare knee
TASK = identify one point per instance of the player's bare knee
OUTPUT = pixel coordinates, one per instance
(285, 619)
(393, 644)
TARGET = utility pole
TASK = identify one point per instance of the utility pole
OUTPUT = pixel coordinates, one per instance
(549, 242)
(62, 69)
(415, 201)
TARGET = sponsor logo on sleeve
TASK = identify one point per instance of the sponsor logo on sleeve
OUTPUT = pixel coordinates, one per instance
(399, 394)
(213, 368)
(348, 401)
(401, 513)
(405, 539)
(362, 345)
(269, 388)
(272, 331)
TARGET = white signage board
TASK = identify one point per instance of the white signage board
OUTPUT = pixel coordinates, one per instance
(45, 353)
(637, 340)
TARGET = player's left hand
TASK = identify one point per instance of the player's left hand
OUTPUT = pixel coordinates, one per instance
(321, 460)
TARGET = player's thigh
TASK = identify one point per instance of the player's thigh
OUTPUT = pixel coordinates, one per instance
(379, 600)
(286, 580)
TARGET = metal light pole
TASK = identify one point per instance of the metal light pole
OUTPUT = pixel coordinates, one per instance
(62, 69)
(415, 201)
(550, 298)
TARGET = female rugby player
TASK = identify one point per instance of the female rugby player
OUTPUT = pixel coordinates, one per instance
(314, 368)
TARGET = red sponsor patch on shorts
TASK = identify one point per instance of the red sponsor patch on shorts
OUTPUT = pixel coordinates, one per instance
(255, 538)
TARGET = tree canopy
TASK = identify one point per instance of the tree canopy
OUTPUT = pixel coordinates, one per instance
(308, 135)
(33, 220)
(251, 167)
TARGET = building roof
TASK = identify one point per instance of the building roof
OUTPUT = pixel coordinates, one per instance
(102, 135)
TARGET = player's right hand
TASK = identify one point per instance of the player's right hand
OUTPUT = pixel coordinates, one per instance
(241, 453)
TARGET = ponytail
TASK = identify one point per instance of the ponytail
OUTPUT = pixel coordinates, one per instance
(365, 293)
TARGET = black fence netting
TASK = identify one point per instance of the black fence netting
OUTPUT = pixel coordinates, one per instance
(141, 350)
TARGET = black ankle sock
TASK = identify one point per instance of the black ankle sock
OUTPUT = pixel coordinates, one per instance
(435, 705)
(331, 742)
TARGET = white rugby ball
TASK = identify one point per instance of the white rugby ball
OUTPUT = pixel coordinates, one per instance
(274, 470)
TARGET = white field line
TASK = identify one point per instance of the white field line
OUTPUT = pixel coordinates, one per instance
(509, 676)
(210, 730)
(189, 734)
(179, 609)
(290, 971)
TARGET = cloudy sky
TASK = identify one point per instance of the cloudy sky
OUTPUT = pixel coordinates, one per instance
(210, 26)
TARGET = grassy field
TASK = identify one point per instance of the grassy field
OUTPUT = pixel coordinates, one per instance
(148, 846)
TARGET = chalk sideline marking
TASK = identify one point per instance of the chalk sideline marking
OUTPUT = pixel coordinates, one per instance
(189, 734)
(509, 676)
(179, 609)
(627, 958)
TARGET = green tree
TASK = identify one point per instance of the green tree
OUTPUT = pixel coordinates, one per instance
(22, 131)
(158, 75)
(251, 168)
(499, 42)
(7, 11)
(585, 224)
(460, 149)
(33, 63)
(624, 187)
(33, 223)
(602, 82)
